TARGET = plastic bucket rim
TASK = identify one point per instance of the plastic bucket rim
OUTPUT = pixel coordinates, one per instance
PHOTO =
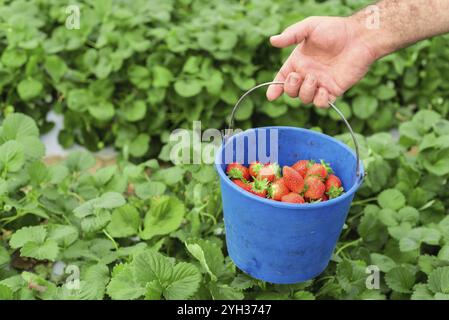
(285, 205)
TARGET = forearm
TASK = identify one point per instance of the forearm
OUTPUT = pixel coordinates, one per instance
(401, 23)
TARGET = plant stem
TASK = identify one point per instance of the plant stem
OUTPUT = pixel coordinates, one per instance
(360, 202)
(110, 238)
(348, 245)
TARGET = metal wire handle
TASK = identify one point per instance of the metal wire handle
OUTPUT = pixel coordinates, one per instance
(331, 104)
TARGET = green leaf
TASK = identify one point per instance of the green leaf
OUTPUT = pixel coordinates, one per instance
(151, 265)
(41, 251)
(29, 89)
(64, 235)
(123, 285)
(33, 148)
(4, 256)
(224, 292)
(162, 77)
(165, 215)
(13, 58)
(109, 200)
(400, 279)
(384, 262)
(102, 111)
(439, 280)
(135, 111)
(383, 144)
(80, 161)
(209, 255)
(351, 276)
(56, 67)
(79, 100)
(125, 222)
(150, 189)
(391, 199)
(169, 176)
(421, 292)
(303, 295)
(139, 146)
(18, 125)
(139, 76)
(184, 282)
(6, 293)
(35, 234)
(11, 156)
(188, 88)
(364, 107)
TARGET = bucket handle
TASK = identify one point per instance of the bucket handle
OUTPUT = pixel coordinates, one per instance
(331, 104)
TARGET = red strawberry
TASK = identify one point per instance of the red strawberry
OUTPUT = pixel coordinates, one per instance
(293, 197)
(317, 169)
(293, 180)
(278, 189)
(333, 181)
(237, 171)
(269, 172)
(301, 166)
(259, 188)
(333, 186)
(324, 197)
(244, 185)
(314, 188)
(254, 168)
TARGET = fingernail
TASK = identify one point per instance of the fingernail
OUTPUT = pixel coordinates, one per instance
(274, 37)
(294, 79)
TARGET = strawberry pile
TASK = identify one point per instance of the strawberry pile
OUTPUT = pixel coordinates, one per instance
(304, 182)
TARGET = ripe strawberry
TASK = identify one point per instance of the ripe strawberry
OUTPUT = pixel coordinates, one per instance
(301, 167)
(237, 171)
(293, 180)
(318, 169)
(324, 197)
(333, 186)
(315, 188)
(259, 188)
(293, 197)
(333, 181)
(269, 172)
(244, 185)
(277, 190)
(254, 168)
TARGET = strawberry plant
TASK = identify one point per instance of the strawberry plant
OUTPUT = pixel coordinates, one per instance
(143, 229)
(146, 231)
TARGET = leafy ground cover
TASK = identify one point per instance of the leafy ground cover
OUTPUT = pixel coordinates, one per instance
(142, 229)
(147, 231)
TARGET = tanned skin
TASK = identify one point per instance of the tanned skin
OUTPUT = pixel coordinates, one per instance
(333, 53)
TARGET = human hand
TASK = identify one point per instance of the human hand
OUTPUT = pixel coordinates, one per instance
(331, 56)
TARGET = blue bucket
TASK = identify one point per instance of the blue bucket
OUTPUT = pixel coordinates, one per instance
(281, 242)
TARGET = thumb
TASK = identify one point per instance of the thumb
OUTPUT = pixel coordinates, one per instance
(294, 34)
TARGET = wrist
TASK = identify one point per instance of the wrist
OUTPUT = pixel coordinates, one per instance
(377, 40)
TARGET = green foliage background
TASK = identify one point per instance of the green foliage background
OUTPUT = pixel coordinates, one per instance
(134, 71)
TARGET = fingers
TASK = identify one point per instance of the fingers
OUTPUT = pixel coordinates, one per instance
(321, 98)
(292, 84)
(294, 34)
(275, 91)
(308, 89)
